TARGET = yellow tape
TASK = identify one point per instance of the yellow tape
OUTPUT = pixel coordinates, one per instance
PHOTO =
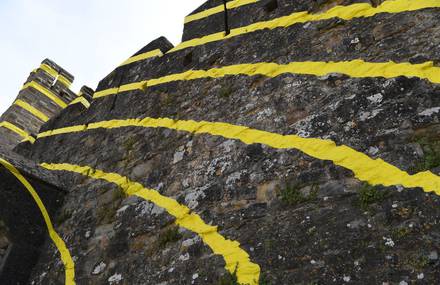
(28, 139)
(17, 130)
(237, 260)
(81, 100)
(343, 12)
(69, 266)
(150, 54)
(66, 130)
(46, 92)
(373, 171)
(47, 68)
(218, 9)
(34, 111)
(349, 12)
(64, 81)
(355, 68)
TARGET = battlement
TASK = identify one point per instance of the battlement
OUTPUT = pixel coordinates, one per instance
(209, 18)
(45, 93)
(155, 48)
(302, 147)
(60, 72)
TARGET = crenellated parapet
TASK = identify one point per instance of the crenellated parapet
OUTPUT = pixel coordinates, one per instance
(300, 148)
(44, 94)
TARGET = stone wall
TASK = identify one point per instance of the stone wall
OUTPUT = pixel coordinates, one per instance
(252, 13)
(303, 220)
(23, 230)
(48, 76)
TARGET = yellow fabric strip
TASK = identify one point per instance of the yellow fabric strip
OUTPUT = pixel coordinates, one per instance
(34, 111)
(28, 139)
(47, 68)
(150, 54)
(106, 92)
(63, 80)
(373, 171)
(46, 92)
(343, 12)
(66, 130)
(236, 259)
(69, 266)
(355, 68)
(81, 100)
(17, 130)
(218, 9)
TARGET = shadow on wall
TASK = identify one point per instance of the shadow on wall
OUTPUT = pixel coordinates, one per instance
(22, 227)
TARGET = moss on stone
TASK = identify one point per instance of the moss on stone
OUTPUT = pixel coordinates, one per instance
(292, 195)
(369, 195)
(170, 235)
(431, 157)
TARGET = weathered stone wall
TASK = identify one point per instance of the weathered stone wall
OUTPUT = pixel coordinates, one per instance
(23, 230)
(252, 13)
(302, 220)
(27, 121)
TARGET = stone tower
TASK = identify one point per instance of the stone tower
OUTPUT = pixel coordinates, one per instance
(301, 148)
(45, 93)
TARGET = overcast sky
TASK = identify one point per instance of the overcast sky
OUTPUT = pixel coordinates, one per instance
(88, 38)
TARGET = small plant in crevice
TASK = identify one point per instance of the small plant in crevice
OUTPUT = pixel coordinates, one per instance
(417, 261)
(229, 279)
(400, 233)
(263, 280)
(170, 235)
(292, 195)
(431, 154)
(369, 195)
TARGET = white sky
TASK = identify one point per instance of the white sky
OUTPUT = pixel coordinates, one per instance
(88, 38)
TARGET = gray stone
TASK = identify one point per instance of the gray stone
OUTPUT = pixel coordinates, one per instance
(433, 255)
(257, 195)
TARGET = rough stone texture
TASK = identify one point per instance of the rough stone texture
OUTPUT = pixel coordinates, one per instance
(70, 113)
(116, 77)
(304, 221)
(22, 228)
(248, 14)
(27, 121)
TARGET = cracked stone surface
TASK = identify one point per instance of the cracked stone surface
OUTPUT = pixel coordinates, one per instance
(303, 220)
